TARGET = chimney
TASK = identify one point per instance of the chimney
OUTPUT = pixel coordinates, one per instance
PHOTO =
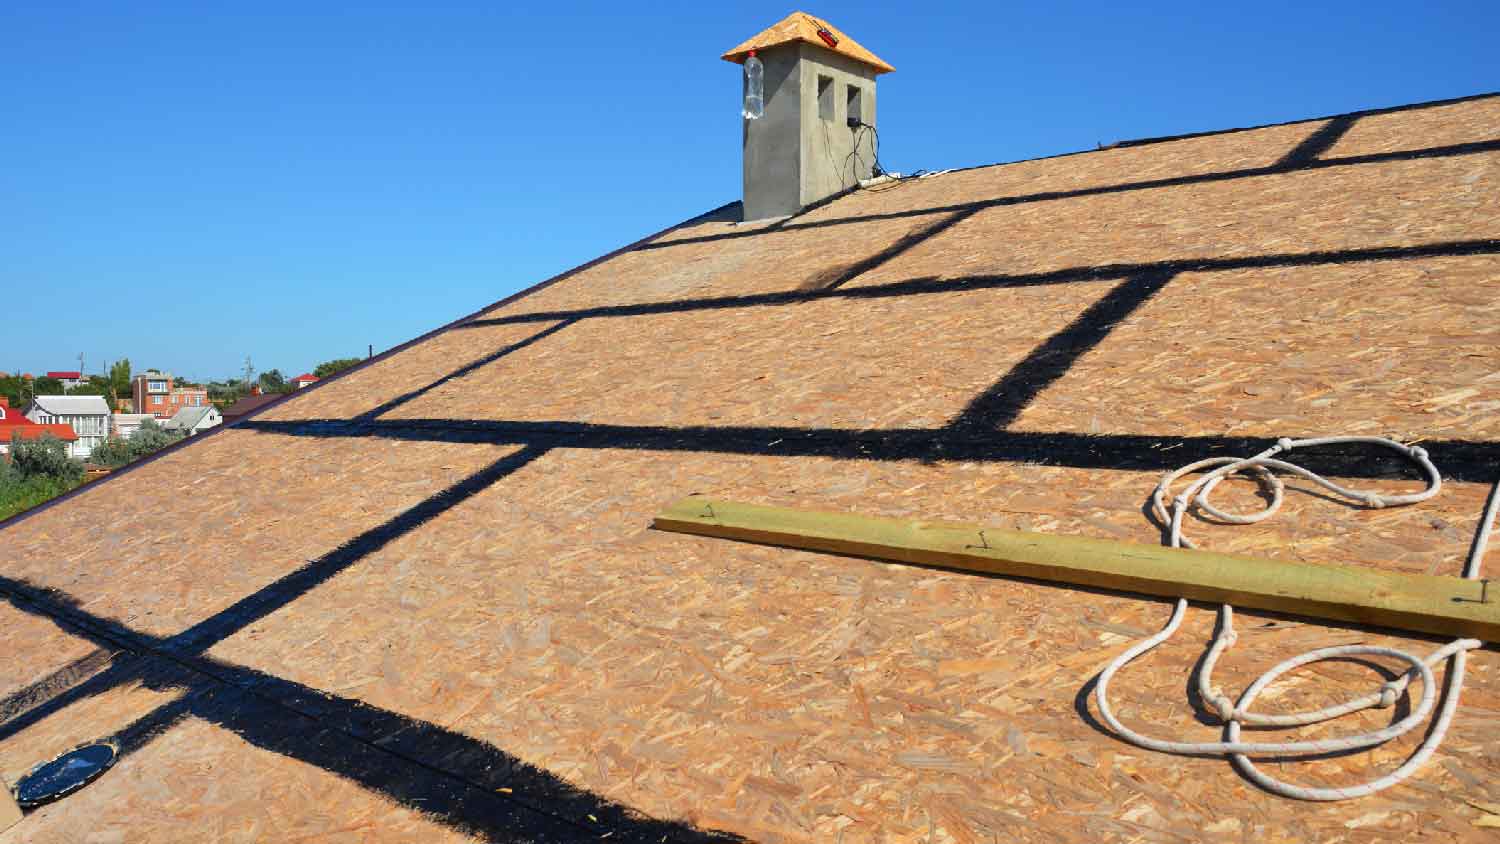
(816, 136)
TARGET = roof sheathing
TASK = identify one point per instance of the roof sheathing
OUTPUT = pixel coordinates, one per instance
(489, 488)
(800, 27)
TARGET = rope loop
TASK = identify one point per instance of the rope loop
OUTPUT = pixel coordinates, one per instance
(1264, 468)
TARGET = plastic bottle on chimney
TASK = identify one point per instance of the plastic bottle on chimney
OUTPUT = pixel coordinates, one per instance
(755, 86)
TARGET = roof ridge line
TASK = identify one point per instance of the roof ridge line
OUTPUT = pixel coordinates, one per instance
(1138, 142)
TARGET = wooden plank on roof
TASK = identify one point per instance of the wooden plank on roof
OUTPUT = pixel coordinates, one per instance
(10, 813)
(1448, 606)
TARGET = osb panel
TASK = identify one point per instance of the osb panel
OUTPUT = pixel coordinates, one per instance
(791, 696)
(739, 261)
(34, 647)
(203, 527)
(1408, 349)
(767, 257)
(878, 363)
(1398, 203)
(798, 26)
(1401, 203)
(1461, 123)
(197, 783)
(769, 263)
(1225, 153)
(408, 370)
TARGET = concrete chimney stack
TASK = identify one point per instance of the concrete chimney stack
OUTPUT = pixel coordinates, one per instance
(817, 134)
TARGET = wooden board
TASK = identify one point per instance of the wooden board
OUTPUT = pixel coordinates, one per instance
(10, 813)
(1421, 603)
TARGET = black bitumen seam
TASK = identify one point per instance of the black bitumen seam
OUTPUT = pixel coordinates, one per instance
(1277, 169)
(1459, 460)
(959, 284)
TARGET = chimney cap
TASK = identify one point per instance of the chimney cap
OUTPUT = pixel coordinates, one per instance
(800, 26)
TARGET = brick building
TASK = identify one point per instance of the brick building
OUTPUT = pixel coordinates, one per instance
(154, 393)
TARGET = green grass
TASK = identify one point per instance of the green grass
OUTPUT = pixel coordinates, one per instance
(17, 496)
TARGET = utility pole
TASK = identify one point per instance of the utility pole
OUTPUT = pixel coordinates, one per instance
(249, 373)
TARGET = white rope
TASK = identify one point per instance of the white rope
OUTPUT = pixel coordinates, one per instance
(1236, 714)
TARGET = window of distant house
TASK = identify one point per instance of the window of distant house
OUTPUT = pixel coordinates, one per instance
(156, 399)
(156, 386)
(825, 97)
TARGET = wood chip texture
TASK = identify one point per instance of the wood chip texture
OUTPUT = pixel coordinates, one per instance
(442, 559)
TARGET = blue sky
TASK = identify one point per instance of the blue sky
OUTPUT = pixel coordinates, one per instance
(188, 183)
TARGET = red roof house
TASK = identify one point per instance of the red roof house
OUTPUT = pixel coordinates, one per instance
(14, 426)
(304, 379)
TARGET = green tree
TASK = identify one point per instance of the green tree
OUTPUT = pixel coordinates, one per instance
(334, 367)
(272, 381)
(119, 379)
(11, 388)
(113, 453)
(95, 386)
(45, 457)
(45, 386)
(51, 474)
(150, 438)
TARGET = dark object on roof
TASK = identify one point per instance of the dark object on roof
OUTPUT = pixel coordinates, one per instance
(64, 775)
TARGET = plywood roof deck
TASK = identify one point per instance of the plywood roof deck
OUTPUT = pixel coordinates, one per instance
(434, 609)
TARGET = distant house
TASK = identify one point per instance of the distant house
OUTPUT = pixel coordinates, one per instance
(304, 380)
(153, 392)
(69, 379)
(122, 425)
(15, 426)
(192, 420)
(247, 405)
(88, 416)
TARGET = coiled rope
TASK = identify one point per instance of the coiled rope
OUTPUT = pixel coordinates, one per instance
(1264, 467)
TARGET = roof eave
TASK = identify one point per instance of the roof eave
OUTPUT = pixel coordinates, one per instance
(738, 56)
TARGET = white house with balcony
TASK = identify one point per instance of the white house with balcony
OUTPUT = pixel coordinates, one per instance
(88, 416)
